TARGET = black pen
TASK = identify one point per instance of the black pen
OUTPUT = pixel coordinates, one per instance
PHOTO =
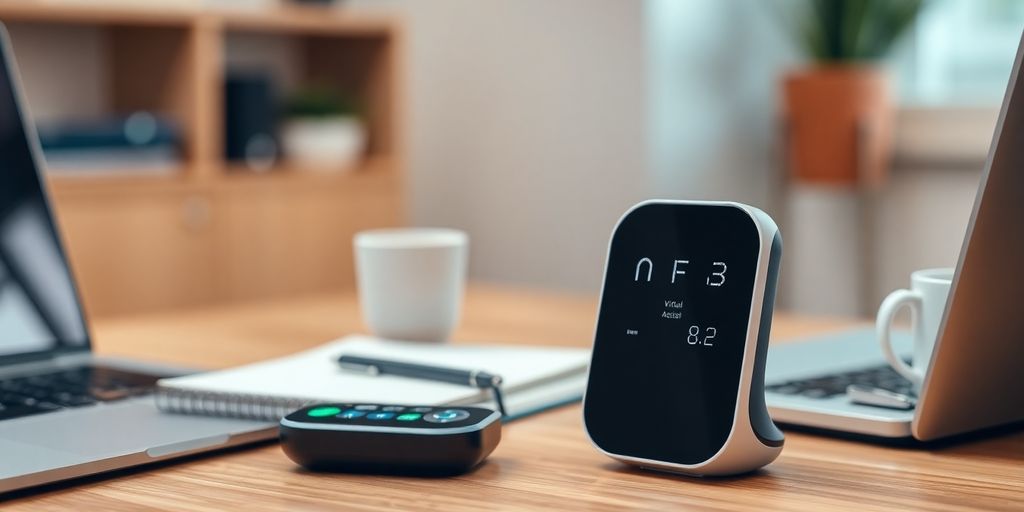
(473, 378)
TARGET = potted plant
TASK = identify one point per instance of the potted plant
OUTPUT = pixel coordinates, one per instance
(322, 130)
(837, 110)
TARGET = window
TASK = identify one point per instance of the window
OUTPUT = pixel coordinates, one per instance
(960, 52)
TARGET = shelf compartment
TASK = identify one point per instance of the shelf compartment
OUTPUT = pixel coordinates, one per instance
(360, 66)
(112, 70)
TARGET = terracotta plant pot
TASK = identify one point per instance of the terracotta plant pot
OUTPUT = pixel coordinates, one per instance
(839, 124)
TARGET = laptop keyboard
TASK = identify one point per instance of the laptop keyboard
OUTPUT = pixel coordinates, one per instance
(883, 377)
(76, 387)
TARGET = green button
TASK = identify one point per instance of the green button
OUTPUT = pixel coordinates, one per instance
(409, 417)
(320, 412)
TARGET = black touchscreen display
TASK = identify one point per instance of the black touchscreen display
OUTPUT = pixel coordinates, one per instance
(671, 331)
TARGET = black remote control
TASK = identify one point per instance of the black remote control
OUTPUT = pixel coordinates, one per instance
(381, 438)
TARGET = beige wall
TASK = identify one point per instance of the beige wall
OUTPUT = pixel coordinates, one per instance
(922, 222)
(918, 221)
(527, 129)
(47, 70)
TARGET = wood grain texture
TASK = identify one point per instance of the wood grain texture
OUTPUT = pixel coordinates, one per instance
(286, 18)
(544, 462)
(279, 240)
(140, 246)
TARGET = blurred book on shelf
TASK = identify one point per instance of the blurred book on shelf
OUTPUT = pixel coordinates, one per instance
(141, 142)
(250, 120)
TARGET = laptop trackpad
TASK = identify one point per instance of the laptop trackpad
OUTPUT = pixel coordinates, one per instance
(112, 430)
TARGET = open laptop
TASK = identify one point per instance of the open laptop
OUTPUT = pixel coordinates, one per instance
(65, 412)
(976, 375)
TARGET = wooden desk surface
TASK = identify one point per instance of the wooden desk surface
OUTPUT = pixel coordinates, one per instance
(543, 462)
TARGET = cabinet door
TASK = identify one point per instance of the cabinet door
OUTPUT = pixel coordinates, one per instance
(139, 251)
(278, 237)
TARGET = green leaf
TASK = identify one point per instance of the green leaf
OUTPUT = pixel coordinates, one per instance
(319, 101)
(853, 30)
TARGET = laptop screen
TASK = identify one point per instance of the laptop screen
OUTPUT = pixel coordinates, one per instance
(39, 310)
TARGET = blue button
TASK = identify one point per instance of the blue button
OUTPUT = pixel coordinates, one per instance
(350, 414)
(446, 416)
(380, 415)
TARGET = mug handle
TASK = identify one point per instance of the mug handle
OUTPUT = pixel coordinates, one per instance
(883, 327)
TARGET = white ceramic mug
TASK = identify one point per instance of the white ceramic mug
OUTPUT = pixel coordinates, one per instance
(927, 300)
(411, 281)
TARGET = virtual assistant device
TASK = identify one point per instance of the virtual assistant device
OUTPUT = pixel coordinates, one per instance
(380, 438)
(677, 373)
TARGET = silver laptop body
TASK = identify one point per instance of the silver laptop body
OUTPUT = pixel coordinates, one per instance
(64, 412)
(976, 375)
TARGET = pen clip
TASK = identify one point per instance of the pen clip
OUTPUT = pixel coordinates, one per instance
(499, 400)
(368, 369)
(485, 380)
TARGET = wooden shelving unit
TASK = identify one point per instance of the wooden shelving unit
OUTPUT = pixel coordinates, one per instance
(212, 231)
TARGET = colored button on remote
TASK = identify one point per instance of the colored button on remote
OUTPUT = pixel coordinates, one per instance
(446, 416)
(409, 417)
(322, 412)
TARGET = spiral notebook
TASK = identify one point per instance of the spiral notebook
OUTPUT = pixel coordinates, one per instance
(535, 379)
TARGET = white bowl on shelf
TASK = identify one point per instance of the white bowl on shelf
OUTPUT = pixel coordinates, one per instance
(329, 144)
